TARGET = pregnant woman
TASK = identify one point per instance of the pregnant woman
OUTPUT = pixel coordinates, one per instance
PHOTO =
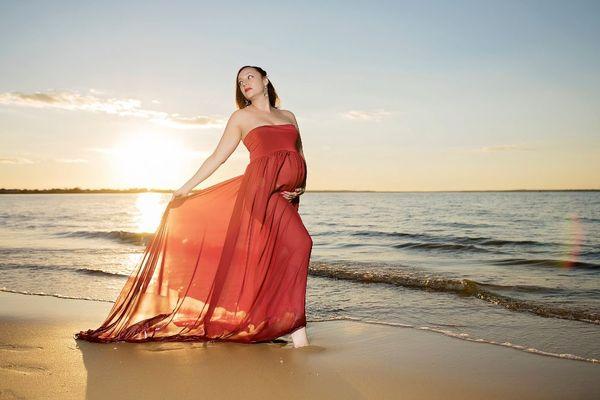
(229, 262)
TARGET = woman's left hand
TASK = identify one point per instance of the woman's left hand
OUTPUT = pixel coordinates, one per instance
(289, 196)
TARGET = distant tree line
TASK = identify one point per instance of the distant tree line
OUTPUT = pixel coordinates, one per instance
(80, 190)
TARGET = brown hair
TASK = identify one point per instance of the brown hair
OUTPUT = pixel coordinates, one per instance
(242, 101)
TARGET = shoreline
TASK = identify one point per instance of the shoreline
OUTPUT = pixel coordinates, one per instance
(437, 330)
(346, 359)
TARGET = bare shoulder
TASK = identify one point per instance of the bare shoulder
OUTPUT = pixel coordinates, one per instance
(236, 117)
(290, 115)
(236, 121)
(241, 118)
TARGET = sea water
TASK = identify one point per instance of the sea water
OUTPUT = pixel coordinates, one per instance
(518, 269)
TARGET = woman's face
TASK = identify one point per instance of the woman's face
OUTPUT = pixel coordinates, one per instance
(250, 82)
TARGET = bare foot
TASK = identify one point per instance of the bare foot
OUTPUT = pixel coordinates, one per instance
(299, 337)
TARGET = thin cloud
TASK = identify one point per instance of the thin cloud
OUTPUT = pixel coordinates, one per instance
(502, 147)
(15, 160)
(70, 160)
(187, 154)
(35, 160)
(125, 107)
(366, 115)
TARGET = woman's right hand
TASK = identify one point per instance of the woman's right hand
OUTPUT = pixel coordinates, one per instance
(181, 192)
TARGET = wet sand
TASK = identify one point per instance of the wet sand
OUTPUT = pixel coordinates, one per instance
(40, 359)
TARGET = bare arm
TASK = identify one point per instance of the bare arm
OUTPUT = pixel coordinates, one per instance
(229, 141)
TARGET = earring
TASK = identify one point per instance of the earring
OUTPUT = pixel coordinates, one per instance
(265, 92)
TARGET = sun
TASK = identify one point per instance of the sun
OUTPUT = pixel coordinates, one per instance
(150, 160)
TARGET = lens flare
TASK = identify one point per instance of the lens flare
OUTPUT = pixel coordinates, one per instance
(575, 238)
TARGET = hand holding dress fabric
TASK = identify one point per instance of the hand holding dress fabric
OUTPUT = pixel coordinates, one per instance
(181, 192)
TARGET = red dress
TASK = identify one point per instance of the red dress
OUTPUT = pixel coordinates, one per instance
(227, 263)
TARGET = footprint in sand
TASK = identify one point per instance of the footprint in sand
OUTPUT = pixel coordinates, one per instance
(18, 368)
(7, 394)
(24, 369)
(17, 347)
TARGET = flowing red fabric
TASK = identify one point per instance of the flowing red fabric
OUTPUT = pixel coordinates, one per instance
(227, 263)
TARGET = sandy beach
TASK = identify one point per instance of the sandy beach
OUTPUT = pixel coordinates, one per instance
(346, 360)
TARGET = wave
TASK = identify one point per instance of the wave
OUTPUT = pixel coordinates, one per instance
(12, 251)
(100, 272)
(60, 296)
(393, 234)
(467, 225)
(462, 287)
(482, 241)
(545, 263)
(86, 271)
(485, 241)
(589, 219)
(411, 279)
(139, 238)
(462, 336)
(441, 246)
(590, 253)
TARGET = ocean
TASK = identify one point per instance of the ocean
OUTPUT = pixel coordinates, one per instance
(516, 269)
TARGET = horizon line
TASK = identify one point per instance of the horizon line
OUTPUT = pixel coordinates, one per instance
(77, 190)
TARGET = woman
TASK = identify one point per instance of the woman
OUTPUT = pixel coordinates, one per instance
(229, 262)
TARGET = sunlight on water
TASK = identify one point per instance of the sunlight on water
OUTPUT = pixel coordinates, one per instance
(150, 207)
(128, 263)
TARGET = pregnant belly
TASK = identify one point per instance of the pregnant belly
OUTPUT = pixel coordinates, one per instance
(292, 173)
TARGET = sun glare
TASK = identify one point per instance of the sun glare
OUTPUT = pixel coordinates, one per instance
(149, 160)
(150, 208)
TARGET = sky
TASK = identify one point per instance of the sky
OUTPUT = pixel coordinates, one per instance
(389, 96)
